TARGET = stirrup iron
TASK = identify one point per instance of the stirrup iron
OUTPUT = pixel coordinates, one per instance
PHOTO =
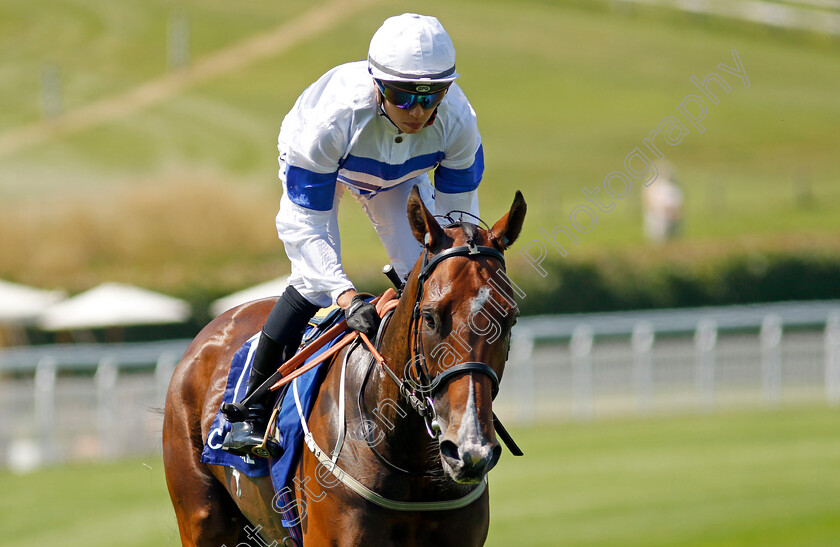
(262, 449)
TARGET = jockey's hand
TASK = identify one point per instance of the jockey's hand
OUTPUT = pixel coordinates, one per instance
(361, 316)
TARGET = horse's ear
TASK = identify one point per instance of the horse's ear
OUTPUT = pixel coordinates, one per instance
(507, 229)
(423, 224)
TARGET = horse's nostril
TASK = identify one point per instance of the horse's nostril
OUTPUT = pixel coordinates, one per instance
(449, 450)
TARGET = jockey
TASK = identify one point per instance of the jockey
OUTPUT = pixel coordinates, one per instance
(375, 128)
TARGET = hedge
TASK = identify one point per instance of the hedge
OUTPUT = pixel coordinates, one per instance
(620, 283)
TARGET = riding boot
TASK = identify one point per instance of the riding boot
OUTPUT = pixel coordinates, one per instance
(279, 340)
(248, 422)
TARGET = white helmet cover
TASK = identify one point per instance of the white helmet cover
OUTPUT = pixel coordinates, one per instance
(412, 48)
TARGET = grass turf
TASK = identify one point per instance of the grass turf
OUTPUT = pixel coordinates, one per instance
(762, 479)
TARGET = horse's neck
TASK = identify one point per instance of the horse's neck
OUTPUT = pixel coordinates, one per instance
(400, 436)
(396, 343)
(404, 439)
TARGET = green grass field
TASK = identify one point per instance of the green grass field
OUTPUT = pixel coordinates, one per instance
(759, 479)
(182, 193)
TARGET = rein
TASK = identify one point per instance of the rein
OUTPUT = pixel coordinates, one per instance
(386, 304)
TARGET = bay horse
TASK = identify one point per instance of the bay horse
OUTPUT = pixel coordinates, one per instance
(416, 438)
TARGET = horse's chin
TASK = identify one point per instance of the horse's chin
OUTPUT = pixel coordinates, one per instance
(461, 476)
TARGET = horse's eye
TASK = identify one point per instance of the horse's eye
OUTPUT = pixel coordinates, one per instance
(429, 319)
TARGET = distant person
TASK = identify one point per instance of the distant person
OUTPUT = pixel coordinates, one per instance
(375, 128)
(662, 204)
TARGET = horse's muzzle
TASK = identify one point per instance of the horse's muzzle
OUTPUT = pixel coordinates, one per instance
(469, 463)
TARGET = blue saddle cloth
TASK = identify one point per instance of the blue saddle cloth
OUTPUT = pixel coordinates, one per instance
(290, 431)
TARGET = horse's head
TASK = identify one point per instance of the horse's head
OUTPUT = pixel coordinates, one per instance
(461, 326)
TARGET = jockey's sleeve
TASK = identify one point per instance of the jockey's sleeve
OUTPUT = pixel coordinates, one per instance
(307, 220)
(460, 171)
(311, 240)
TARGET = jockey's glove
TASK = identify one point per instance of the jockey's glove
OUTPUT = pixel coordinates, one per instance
(361, 316)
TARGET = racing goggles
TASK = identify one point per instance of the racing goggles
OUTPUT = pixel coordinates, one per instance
(426, 95)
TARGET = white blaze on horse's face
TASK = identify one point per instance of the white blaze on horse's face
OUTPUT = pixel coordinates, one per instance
(473, 446)
(468, 454)
(480, 300)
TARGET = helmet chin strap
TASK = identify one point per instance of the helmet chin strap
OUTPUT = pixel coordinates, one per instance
(432, 117)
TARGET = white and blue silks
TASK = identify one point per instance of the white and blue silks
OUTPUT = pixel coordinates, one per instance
(337, 137)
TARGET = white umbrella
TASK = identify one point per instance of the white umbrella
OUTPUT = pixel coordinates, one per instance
(275, 287)
(114, 304)
(21, 304)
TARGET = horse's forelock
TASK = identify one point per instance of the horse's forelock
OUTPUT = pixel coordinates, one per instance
(471, 231)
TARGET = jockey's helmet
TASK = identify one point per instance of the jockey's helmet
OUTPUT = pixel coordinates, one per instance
(412, 48)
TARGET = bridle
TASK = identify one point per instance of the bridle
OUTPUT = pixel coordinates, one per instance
(427, 387)
(419, 395)
(420, 392)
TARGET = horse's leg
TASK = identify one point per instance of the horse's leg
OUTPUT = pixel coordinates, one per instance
(206, 514)
(212, 504)
(254, 497)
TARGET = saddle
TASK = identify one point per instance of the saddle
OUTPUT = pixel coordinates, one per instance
(321, 323)
(325, 329)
